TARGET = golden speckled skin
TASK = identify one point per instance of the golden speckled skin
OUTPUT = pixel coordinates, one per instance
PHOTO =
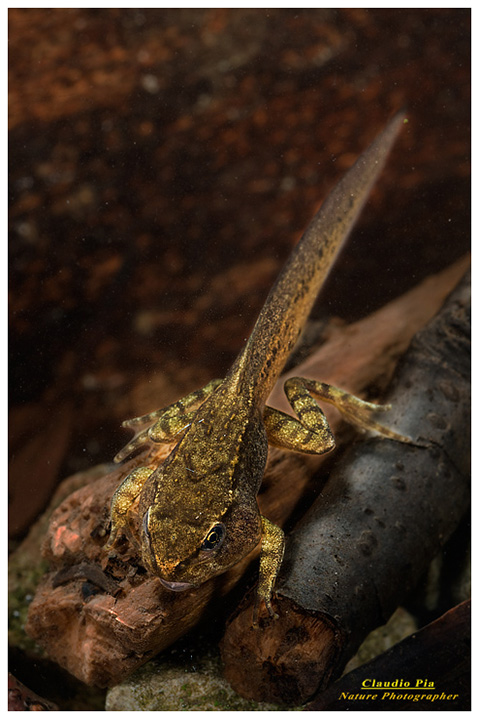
(199, 508)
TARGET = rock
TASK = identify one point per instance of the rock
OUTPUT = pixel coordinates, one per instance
(399, 626)
(182, 683)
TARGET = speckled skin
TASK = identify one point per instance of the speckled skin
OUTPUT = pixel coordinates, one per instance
(199, 510)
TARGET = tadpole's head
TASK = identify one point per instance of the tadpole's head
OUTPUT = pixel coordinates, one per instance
(189, 536)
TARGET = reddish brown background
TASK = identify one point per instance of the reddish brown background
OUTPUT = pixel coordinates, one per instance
(162, 164)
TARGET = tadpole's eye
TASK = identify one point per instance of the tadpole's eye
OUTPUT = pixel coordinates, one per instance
(214, 537)
(145, 525)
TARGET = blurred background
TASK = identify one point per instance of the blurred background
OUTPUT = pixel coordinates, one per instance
(163, 163)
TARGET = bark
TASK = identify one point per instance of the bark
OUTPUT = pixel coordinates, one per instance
(101, 617)
(385, 513)
(437, 656)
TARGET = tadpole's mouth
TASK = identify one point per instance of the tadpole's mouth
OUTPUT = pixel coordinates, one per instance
(176, 586)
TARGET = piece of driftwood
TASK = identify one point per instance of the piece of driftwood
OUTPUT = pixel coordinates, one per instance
(100, 616)
(384, 514)
(22, 699)
(429, 670)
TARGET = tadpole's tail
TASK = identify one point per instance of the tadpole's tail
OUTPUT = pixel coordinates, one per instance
(290, 301)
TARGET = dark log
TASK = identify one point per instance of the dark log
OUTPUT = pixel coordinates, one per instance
(101, 635)
(385, 512)
(435, 662)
